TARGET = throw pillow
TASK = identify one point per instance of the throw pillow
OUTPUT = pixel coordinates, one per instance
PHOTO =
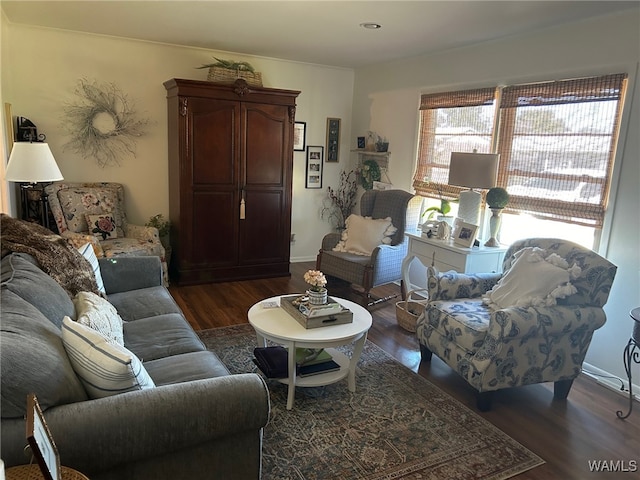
(534, 279)
(103, 226)
(363, 234)
(89, 253)
(103, 368)
(95, 312)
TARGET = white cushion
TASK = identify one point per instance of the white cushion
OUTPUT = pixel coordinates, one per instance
(95, 312)
(534, 279)
(104, 369)
(363, 234)
(87, 252)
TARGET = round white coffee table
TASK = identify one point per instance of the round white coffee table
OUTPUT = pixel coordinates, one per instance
(276, 325)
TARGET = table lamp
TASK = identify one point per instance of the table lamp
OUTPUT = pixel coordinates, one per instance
(29, 164)
(472, 170)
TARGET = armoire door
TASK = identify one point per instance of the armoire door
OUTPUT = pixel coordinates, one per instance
(213, 155)
(266, 184)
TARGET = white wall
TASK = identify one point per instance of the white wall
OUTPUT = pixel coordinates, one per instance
(387, 96)
(46, 65)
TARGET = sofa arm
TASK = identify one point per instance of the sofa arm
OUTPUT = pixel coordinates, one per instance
(533, 345)
(122, 274)
(99, 435)
(148, 234)
(451, 285)
(330, 240)
(387, 262)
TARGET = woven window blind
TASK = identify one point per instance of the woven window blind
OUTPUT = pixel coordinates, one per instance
(557, 145)
(451, 122)
(556, 142)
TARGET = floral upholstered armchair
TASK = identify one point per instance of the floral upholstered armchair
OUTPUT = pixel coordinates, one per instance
(94, 213)
(531, 324)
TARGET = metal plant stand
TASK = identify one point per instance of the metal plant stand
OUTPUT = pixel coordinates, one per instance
(631, 353)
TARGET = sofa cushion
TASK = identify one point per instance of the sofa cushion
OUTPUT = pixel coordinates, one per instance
(22, 277)
(33, 359)
(463, 321)
(148, 337)
(77, 202)
(95, 312)
(185, 368)
(104, 369)
(144, 303)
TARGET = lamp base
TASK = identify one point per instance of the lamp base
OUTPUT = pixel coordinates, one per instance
(469, 206)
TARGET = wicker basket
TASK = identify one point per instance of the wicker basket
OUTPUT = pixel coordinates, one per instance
(227, 75)
(408, 311)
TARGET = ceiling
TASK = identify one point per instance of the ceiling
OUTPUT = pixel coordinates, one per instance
(321, 32)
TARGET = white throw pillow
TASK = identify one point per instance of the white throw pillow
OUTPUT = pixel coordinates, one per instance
(534, 279)
(104, 369)
(87, 252)
(95, 312)
(363, 234)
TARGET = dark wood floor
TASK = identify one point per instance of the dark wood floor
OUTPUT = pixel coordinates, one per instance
(568, 435)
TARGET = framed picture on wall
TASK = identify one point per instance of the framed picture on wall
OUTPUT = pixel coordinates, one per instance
(299, 136)
(333, 139)
(314, 166)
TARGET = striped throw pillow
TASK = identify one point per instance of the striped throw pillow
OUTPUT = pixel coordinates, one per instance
(104, 369)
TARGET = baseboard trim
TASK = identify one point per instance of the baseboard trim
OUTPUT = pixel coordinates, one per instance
(611, 381)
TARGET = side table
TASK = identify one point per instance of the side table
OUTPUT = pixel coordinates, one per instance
(445, 255)
(32, 472)
(630, 354)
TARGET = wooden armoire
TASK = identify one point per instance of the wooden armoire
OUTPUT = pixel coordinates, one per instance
(230, 177)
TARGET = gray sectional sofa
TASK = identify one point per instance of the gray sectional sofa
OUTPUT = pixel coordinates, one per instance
(198, 422)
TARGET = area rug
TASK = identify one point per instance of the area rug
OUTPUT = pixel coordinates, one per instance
(397, 425)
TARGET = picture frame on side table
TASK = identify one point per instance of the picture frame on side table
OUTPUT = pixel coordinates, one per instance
(41, 442)
(315, 155)
(299, 136)
(333, 139)
(464, 234)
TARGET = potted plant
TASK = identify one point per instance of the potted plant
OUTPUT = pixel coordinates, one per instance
(164, 227)
(497, 199)
(339, 202)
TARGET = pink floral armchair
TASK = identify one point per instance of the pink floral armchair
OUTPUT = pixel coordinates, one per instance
(75, 205)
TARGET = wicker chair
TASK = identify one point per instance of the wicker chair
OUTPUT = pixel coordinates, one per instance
(71, 202)
(507, 346)
(385, 262)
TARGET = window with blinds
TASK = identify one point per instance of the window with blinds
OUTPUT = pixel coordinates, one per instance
(556, 142)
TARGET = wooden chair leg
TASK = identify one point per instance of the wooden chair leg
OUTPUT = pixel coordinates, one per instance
(425, 354)
(483, 401)
(561, 389)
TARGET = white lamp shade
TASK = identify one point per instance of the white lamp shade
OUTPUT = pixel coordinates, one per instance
(473, 170)
(32, 163)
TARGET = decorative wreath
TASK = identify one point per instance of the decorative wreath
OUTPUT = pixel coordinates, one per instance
(103, 123)
(369, 173)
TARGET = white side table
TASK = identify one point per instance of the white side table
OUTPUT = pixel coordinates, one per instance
(445, 256)
(277, 325)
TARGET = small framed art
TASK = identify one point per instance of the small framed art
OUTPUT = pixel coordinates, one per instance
(299, 136)
(465, 234)
(314, 166)
(333, 139)
(41, 442)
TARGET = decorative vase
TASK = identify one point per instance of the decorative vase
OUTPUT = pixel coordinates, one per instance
(494, 228)
(446, 218)
(317, 298)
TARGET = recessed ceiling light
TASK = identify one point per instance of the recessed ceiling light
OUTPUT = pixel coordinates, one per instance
(371, 25)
